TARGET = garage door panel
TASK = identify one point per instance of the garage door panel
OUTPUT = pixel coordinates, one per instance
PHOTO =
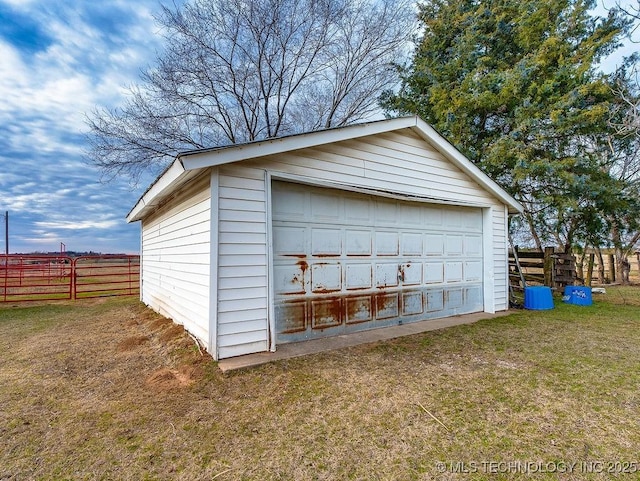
(412, 303)
(435, 300)
(326, 277)
(473, 245)
(358, 276)
(290, 241)
(386, 275)
(473, 271)
(326, 313)
(453, 299)
(346, 262)
(473, 298)
(434, 244)
(433, 217)
(453, 272)
(387, 306)
(386, 243)
(358, 242)
(358, 211)
(411, 244)
(386, 212)
(292, 317)
(411, 214)
(433, 272)
(453, 245)
(326, 242)
(289, 204)
(453, 219)
(288, 279)
(411, 273)
(325, 208)
(359, 309)
(471, 221)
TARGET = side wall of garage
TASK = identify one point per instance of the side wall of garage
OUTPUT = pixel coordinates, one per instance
(175, 247)
(397, 163)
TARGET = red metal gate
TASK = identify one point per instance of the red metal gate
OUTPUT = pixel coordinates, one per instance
(35, 278)
(106, 275)
(45, 278)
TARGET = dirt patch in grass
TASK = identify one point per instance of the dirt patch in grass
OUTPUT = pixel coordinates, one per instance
(170, 333)
(534, 387)
(157, 324)
(165, 379)
(132, 342)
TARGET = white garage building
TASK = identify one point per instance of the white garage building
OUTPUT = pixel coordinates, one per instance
(313, 235)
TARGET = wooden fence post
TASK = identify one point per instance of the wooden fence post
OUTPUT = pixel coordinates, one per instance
(601, 276)
(587, 280)
(580, 266)
(548, 266)
(612, 268)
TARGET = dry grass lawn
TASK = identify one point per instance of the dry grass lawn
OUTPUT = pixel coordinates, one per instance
(107, 389)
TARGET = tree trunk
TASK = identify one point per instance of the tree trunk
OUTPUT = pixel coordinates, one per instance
(622, 265)
(590, 270)
(601, 278)
(612, 268)
(625, 271)
(534, 234)
(548, 266)
(580, 267)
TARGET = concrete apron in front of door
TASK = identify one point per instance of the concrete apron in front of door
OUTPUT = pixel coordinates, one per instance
(304, 348)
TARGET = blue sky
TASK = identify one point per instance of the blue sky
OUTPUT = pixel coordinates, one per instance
(58, 61)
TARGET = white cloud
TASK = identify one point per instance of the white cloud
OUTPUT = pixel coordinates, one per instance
(43, 238)
(78, 70)
(89, 53)
(35, 202)
(19, 4)
(78, 225)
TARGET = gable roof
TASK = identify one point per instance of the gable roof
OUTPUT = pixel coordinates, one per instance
(189, 164)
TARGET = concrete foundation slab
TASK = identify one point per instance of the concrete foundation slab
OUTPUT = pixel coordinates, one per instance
(297, 349)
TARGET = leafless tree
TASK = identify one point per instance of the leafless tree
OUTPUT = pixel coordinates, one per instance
(630, 8)
(625, 120)
(624, 163)
(241, 70)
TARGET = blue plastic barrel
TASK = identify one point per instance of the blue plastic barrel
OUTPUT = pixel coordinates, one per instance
(578, 295)
(538, 298)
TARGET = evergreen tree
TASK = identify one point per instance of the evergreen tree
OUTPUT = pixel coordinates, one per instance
(515, 86)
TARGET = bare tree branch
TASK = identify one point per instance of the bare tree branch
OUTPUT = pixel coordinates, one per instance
(236, 70)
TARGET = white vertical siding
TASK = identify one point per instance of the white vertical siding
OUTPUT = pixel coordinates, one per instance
(213, 267)
(500, 257)
(242, 262)
(175, 250)
(397, 162)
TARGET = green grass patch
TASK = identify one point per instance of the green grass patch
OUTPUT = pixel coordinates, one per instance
(106, 389)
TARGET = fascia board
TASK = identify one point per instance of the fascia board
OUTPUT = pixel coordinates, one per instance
(455, 156)
(162, 187)
(201, 159)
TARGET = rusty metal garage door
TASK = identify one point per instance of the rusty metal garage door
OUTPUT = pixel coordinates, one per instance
(345, 262)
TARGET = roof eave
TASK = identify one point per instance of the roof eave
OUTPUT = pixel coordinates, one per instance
(199, 159)
(162, 187)
(188, 164)
(429, 134)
